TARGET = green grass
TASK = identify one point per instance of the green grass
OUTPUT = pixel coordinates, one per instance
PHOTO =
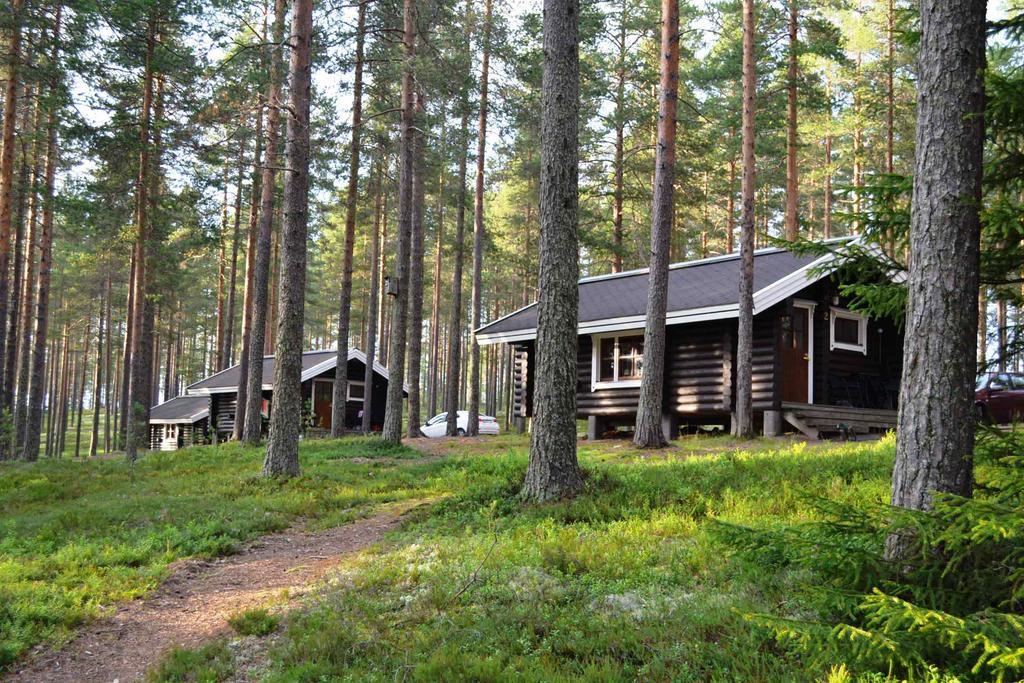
(627, 581)
(254, 622)
(76, 537)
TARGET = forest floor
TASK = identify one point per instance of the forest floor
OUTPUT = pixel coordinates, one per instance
(106, 566)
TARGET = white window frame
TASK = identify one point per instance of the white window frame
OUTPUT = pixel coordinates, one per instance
(348, 390)
(595, 362)
(862, 330)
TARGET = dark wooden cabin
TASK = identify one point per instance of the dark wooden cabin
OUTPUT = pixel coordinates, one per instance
(818, 366)
(179, 423)
(317, 391)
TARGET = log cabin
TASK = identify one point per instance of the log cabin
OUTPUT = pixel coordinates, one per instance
(818, 366)
(217, 395)
(181, 422)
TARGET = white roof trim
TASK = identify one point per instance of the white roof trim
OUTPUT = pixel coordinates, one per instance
(764, 298)
(321, 367)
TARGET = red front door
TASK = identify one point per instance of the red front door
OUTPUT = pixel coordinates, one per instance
(323, 396)
(795, 356)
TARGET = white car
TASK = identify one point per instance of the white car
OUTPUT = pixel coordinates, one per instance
(436, 426)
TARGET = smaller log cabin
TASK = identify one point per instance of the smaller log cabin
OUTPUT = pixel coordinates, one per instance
(207, 409)
(179, 423)
(817, 365)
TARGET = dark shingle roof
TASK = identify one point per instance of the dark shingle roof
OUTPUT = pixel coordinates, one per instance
(228, 379)
(693, 285)
(181, 409)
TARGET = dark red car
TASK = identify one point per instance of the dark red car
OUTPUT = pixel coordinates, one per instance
(999, 397)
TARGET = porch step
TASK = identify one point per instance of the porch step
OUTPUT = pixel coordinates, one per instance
(814, 419)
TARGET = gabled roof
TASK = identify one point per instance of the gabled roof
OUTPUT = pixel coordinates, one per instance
(707, 289)
(313, 364)
(183, 409)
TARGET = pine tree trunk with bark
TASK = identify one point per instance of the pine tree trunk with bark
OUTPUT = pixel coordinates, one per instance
(743, 418)
(371, 331)
(435, 304)
(137, 427)
(340, 398)
(97, 381)
(7, 190)
(416, 273)
(252, 237)
(282, 457)
(553, 471)
(400, 302)
(37, 379)
(935, 430)
(473, 410)
(253, 430)
(792, 172)
(648, 432)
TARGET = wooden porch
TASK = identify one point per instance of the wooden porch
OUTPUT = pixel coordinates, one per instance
(814, 420)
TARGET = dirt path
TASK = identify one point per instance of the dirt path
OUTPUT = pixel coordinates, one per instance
(194, 604)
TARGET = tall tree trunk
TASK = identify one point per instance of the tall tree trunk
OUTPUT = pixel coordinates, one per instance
(982, 331)
(253, 350)
(743, 419)
(648, 433)
(400, 307)
(340, 400)
(141, 371)
(620, 123)
(792, 181)
(371, 331)
(108, 370)
(7, 188)
(473, 410)
(935, 429)
(228, 352)
(890, 95)
(29, 155)
(97, 380)
(283, 444)
(37, 380)
(730, 210)
(1001, 337)
(455, 377)
(553, 471)
(435, 304)
(252, 237)
(416, 273)
(80, 396)
(222, 279)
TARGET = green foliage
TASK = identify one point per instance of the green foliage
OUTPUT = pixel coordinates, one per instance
(77, 537)
(953, 606)
(254, 622)
(209, 664)
(622, 583)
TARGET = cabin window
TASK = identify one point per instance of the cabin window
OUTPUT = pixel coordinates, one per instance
(356, 391)
(849, 331)
(618, 360)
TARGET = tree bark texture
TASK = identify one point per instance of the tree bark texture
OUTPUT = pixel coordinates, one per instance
(451, 397)
(345, 304)
(252, 237)
(282, 457)
(792, 172)
(371, 331)
(400, 303)
(935, 432)
(7, 186)
(473, 409)
(416, 250)
(37, 380)
(743, 419)
(648, 432)
(253, 431)
(553, 471)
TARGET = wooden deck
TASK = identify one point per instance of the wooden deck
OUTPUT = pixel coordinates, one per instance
(815, 420)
